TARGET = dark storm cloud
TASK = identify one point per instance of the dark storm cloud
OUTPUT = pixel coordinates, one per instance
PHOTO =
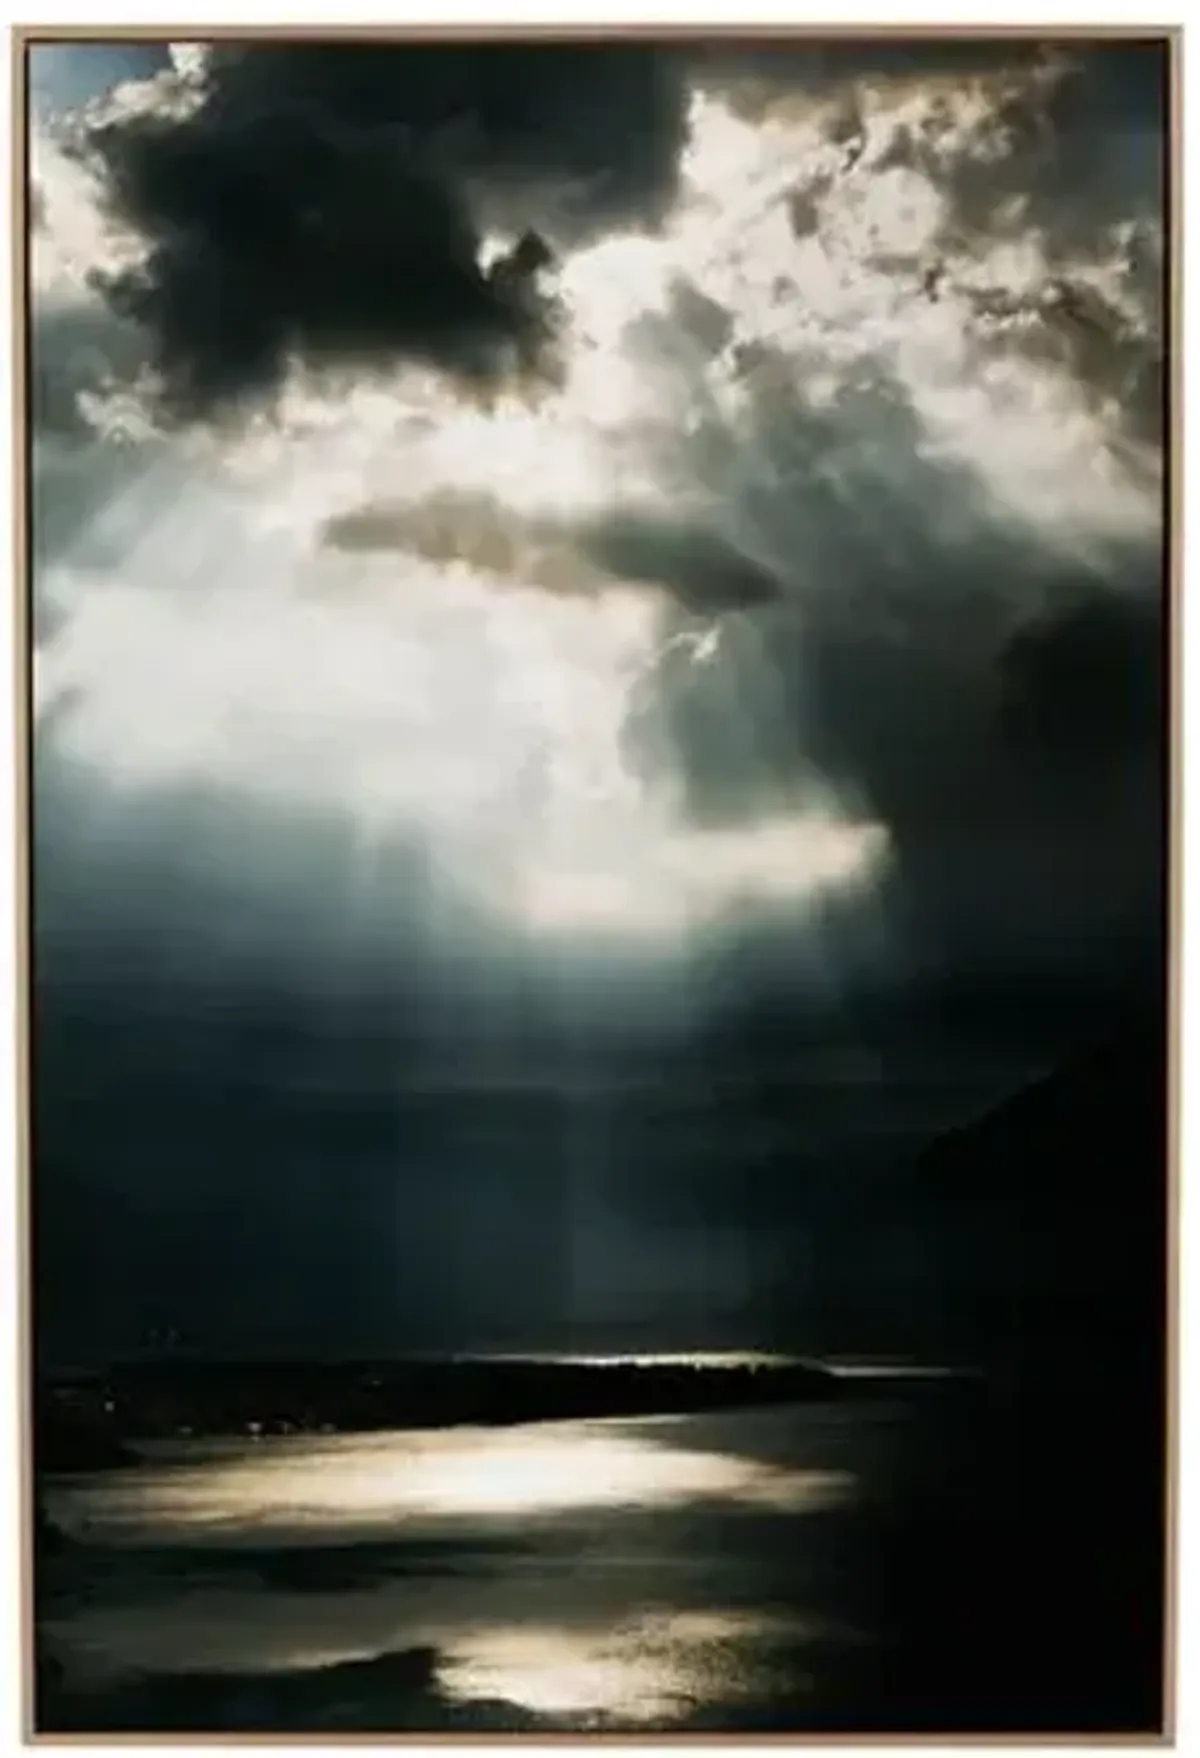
(699, 568)
(1083, 686)
(472, 528)
(1072, 151)
(1118, 363)
(324, 245)
(696, 566)
(247, 1164)
(990, 690)
(1101, 156)
(321, 199)
(1024, 794)
(1076, 119)
(440, 528)
(997, 702)
(327, 202)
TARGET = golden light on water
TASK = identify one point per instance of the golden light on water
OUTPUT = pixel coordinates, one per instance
(477, 1548)
(655, 1668)
(553, 1672)
(287, 1489)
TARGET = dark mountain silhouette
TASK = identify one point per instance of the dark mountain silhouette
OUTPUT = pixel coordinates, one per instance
(1051, 1209)
(1028, 1572)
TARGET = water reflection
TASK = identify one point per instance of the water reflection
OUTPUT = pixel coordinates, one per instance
(588, 1574)
(304, 1490)
(651, 1669)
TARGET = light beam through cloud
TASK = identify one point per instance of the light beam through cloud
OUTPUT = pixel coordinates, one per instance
(388, 596)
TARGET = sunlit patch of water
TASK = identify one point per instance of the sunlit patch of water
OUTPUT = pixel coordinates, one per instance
(308, 1491)
(658, 1668)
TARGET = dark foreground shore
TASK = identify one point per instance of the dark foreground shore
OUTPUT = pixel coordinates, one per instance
(85, 1422)
(947, 1557)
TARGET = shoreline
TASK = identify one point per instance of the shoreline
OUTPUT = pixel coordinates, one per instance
(92, 1425)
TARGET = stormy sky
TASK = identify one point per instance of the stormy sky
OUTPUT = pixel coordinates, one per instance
(598, 660)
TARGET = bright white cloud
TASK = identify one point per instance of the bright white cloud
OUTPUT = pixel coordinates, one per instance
(457, 698)
(678, 881)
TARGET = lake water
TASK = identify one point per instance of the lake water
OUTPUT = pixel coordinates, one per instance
(695, 1572)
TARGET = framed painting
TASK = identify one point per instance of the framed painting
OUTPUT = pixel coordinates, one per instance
(596, 637)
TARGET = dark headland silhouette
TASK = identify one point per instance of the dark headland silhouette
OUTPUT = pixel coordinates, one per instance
(86, 1423)
(1027, 1578)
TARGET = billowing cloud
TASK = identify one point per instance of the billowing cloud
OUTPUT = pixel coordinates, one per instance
(329, 203)
(830, 370)
(849, 420)
(695, 567)
(599, 622)
(334, 205)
